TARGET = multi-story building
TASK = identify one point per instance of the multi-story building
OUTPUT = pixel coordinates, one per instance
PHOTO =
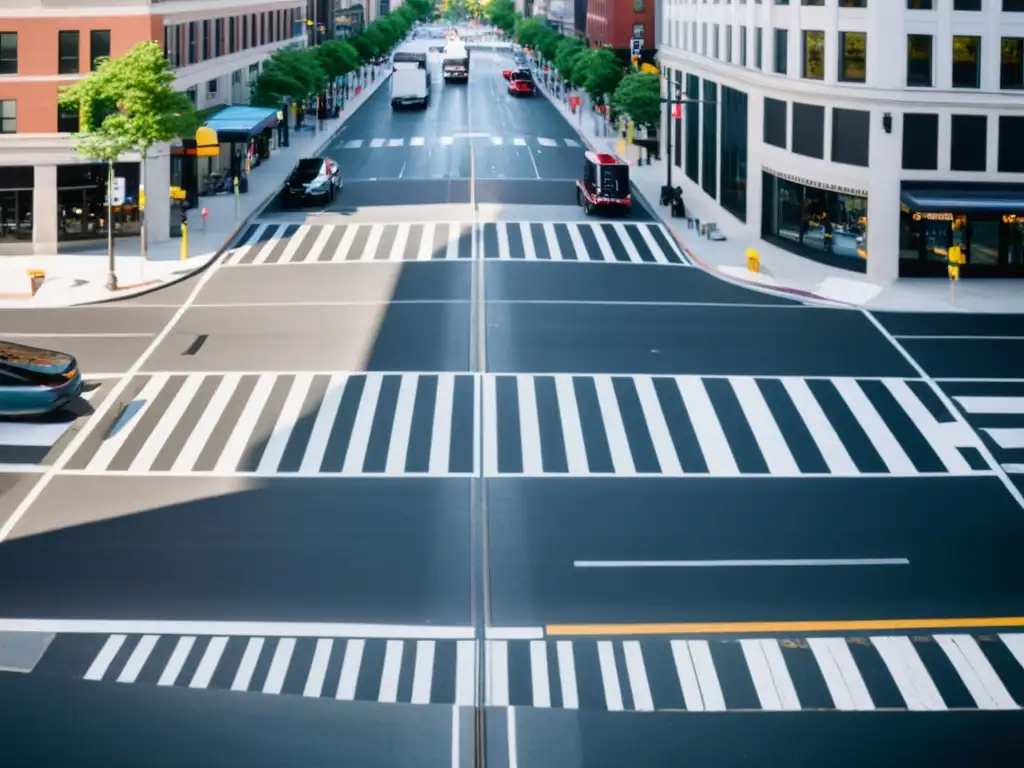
(868, 134)
(49, 194)
(617, 22)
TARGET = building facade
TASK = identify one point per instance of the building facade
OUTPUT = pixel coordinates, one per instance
(49, 194)
(867, 134)
(616, 22)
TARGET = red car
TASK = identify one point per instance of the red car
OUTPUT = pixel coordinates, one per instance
(520, 82)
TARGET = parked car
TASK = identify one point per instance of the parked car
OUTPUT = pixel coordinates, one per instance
(35, 381)
(314, 179)
(520, 82)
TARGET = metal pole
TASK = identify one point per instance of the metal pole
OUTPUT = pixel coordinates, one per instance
(668, 146)
(111, 274)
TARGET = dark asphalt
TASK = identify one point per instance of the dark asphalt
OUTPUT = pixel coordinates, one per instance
(961, 565)
(349, 551)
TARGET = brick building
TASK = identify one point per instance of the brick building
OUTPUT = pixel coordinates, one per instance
(616, 22)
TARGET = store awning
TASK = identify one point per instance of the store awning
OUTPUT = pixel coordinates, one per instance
(931, 200)
(240, 124)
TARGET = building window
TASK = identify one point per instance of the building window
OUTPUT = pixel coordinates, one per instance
(8, 53)
(693, 127)
(218, 37)
(638, 6)
(853, 48)
(67, 120)
(205, 45)
(775, 119)
(728, 44)
(263, 29)
(743, 46)
(781, 51)
(709, 159)
(1011, 63)
(920, 142)
(814, 55)
(211, 89)
(99, 47)
(16, 203)
(715, 36)
(252, 31)
(245, 34)
(826, 226)
(851, 136)
(8, 116)
(808, 130)
(1011, 149)
(193, 33)
(968, 143)
(966, 5)
(733, 173)
(757, 47)
(920, 5)
(67, 53)
(919, 61)
(966, 61)
(853, 3)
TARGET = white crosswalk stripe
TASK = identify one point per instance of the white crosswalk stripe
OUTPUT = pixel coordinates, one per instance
(718, 426)
(924, 673)
(268, 244)
(996, 410)
(297, 425)
(581, 242)
(448, 141)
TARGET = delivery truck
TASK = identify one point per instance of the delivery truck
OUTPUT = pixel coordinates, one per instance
(455, 62)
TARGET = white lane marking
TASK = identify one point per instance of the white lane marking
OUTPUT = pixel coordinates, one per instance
(545, 142)
(41, 335)
(318, 668)
(395, 142)
(824, 435)
(193, 448)
(497, 673)
(126, 422)
(208, 664)
(137, 660)
(398, 447)
(323, 425)
(529, 425)
(657, 426)
(636, 672)
(992, 405)
(710, 436)
(279, 665)
(513, 743)
(609, 676)
(976, 672)
(465, 673)
(423, 672)
(539, 677)
(390, 672)
(1005, 438)
(376, 143)
(909, 673)
(178, 658)
(417, 141)
(842, 677)
(236, 628)
(615, 429)
(289, 416)
(567, 675)
(767, 434)
(572, 428)
(349, 675)
(519, 141)
(243, 676)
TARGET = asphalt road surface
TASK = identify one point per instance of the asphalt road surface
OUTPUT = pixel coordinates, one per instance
(448, 473)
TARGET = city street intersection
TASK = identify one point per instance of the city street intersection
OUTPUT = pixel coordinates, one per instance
(450, 443)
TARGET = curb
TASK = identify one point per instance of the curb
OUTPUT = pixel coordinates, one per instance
(753, 285)
(225, 244)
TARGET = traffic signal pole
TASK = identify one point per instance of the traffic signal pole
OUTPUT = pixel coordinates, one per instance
(668, 127)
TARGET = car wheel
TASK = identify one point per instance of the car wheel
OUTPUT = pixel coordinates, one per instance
(588, 208)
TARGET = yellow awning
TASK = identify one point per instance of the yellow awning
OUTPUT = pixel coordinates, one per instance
(207, 144)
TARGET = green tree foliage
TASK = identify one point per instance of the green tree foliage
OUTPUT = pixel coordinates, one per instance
(502, 14)
(547, 42)
(528, 31)
(454, 10)
(639, 96)
(569, 51)
(602, 72)
(474, 8)
(293, 72)
(337, 58)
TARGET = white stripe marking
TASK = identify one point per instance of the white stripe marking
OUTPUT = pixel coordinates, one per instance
(138, 659)
(497, 673)
(323, 425)
(423, 672)
(637, 674)
(909, 673)
(390, 672)
(609, 676)
(977, 673)
(350, 670)
(713, 443)
(208, 664)
(465, 673)
(248, 664)
(363, 424)
(529, 425)
(618, 442)
(398, 448)
(232, 454)
(843, 679)
(539, 679)
(817, 423)
(992, 405)
(178, 658)
(289, 416)
(318, 668)
(193, 448)
(567, 675)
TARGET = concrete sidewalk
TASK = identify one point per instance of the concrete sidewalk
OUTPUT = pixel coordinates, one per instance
(79, 277)
(780, 270)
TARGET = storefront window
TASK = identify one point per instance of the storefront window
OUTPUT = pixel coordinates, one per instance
(15, 214)
(984, 243)
(818, 221)
(81, 201)
(992, 242)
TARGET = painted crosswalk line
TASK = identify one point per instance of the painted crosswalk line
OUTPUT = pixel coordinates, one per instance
(636, 426)
(600, 243)
(276, 243)
(25, 443)
(839, 674)
(996, 410)
(447, 141)
(296, 425)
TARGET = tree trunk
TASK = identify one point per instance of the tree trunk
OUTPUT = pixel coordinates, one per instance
(144, 230)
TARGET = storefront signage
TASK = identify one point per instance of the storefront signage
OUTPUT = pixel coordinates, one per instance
(933, 216)
(816, 184)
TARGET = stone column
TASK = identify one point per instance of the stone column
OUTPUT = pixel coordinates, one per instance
(158, 200)
(885, 159)
(45, 211)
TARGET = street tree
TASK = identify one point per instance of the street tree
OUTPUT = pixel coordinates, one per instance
(569, 51)
(130, 104)
(453, 10)
(337, 58)
(547, 42)
(603, 73)
(638, 95)
(528, 31)
(295, 73)
(502, 14)
(474, 8)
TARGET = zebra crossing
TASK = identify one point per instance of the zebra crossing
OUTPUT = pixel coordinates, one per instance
(335, 424)
(876, 673)
(630, 426)
(448, 141)
(996, 410)
(583, 242)
(279, 243)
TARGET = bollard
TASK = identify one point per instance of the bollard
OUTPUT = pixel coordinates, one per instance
(184, 237)
(36, 278)
(206, 215)
(753, 260)
(238, 202)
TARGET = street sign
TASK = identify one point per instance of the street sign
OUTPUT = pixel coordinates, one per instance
(635, 45)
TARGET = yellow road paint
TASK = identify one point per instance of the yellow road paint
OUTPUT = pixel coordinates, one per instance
(776, 627)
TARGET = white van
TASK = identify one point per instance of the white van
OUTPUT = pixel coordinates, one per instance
(410, 85)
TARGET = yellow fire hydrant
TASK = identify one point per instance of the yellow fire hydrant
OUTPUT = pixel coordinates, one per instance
(753, 260)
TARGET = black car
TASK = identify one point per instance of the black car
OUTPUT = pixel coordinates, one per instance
(35, 381)
(314, 179)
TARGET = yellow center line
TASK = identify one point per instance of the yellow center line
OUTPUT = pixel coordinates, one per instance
(756, 627)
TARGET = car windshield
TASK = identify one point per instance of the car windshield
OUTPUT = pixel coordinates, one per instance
(308, 169)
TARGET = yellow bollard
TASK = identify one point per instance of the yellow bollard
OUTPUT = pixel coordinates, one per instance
(184, 241)
(753, 260)
(36, 278)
